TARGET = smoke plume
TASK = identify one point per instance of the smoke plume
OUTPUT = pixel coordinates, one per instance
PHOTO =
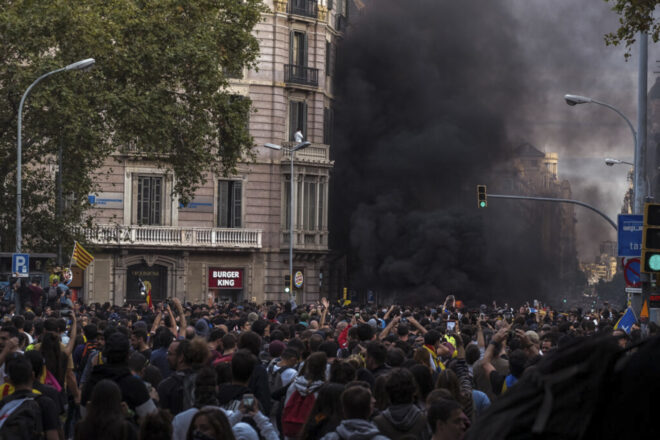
(434, 98)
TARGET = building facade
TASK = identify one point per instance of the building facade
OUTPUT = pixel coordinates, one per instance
(231, 242)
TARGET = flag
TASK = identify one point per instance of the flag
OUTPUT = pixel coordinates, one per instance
(81, 256)
(627, 320)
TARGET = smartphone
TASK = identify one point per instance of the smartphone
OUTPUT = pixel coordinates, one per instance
(357, 315)
(451, 325)
(248, 400)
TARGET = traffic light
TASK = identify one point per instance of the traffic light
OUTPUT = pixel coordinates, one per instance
(287, 283)
(651, 239)
(482, 200)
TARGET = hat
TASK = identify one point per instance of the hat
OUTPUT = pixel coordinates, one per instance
(276, 348)
(202, 327)
(117, 344)
(372, 322)
(243, 431)
(252, 316)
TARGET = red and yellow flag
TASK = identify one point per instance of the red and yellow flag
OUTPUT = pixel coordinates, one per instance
(81, 256)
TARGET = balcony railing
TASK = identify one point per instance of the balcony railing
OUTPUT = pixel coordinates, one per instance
(306, 8)
(313, 153)
(307, 76)
(172, 236)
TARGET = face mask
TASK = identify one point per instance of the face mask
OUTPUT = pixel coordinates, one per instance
(199, 435)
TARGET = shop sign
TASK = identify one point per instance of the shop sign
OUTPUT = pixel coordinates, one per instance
(225, 278)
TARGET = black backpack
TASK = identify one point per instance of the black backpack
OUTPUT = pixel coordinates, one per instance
(558, 398)
(53, 293)
(24, 422)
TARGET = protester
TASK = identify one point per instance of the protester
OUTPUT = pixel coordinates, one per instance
(106, 417)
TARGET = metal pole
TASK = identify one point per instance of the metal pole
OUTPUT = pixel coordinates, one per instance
(640, 156)
(548, 199)
(19, 182)
(640, 146)
(291, 229)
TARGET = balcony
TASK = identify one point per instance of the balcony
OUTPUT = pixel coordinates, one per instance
(313, 153)
(306, 8)
(173, 237)
(306, 76)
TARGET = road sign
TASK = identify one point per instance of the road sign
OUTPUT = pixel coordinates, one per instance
(630, 235)
(631, 272)
(20, 265)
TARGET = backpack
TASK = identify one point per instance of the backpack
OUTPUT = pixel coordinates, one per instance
(558, 397)
(89, 350)
(275, 377)
(295, 413)
(52, 293)
(186, 389)
(20, 418)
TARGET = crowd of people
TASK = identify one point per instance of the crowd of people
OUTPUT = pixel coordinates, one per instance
(271, 371)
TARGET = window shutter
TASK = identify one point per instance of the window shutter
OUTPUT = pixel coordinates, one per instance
(303, 122)
(293, 119)
(292, 56)
(223, 203)
(303, 61)
(236, 205)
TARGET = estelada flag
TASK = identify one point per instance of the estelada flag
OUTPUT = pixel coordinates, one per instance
(81, 256)
(149, 303)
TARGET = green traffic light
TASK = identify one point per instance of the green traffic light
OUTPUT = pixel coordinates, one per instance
(482, 204)
(654, 262)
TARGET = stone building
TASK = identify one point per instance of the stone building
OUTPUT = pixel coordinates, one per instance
(232, 241)
(534, 173)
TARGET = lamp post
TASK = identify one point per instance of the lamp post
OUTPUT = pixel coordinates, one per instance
(638, 180)
(79, 65)
(291, 150)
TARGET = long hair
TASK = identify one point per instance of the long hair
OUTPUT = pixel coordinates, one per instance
(217, 420)
(104, 419)
(326, 414)
(156, 426)
(52, 353)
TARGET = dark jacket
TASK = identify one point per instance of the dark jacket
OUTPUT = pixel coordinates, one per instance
(398, 421)
(355, 429)
(259, 385)
(229, 394)
(133, 390)
(171, 392)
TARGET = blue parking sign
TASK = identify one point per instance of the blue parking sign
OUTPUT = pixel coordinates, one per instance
(20, 265)
(630, 235)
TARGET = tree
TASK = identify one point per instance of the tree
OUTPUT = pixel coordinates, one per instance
(159, 86)
(635, 16)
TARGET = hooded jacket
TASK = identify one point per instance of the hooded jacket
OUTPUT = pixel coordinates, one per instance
(399, 420)
(355, 429)
(302, 385)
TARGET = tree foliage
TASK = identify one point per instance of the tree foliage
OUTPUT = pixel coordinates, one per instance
(158, 86)
(635, 16)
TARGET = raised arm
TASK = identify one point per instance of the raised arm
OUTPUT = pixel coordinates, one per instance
(182, 317)
(386, 331)
(419, 326)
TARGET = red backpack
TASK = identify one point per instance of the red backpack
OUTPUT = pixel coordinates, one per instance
(295, 413)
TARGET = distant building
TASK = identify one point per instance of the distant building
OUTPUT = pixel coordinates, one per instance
(231, 242)
(532, 172)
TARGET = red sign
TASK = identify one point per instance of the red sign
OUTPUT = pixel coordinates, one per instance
(225, 278)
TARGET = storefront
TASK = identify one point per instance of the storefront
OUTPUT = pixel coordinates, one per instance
(226, 284)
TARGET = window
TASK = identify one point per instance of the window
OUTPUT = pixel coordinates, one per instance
(328, 58)
(310, 207)
(297, 118)
(230, 201)
(149, 200)
(298, 52)
(328, 120)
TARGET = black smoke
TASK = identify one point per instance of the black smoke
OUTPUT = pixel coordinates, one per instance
(434, 98)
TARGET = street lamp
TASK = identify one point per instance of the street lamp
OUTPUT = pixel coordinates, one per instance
(611, 162)
(638, 179)
(291, 150)
(78, 65)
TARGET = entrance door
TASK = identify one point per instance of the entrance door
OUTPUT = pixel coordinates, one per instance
(154, 279)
